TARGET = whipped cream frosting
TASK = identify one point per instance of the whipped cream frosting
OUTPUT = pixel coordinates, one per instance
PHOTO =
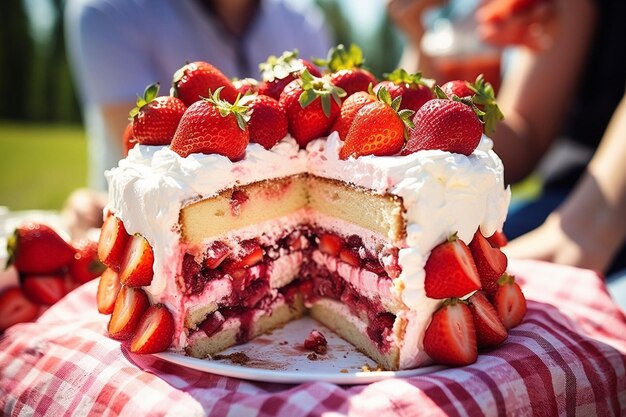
(443, 194)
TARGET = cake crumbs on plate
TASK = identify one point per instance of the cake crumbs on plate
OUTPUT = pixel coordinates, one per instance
(312, 356)
(369, 368)
(238, 358)
(344, 371)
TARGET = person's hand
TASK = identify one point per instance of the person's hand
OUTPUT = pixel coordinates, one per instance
(555, 242)
(83, 211)
(530, 23)
(407, 16)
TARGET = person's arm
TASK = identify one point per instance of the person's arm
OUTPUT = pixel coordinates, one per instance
(538, 88)
(407, 16)
(588, 229)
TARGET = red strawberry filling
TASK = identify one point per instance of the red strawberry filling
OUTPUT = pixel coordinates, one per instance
(248, 268)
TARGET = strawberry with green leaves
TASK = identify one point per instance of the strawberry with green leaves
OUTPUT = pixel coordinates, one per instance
(450, 338)
(312, 104)
(346, 69)
(481, 94)
(155, 118)
(268, 121)
(414, 89)
(379, 128)
(198, 80)
(278, 72)
(451, 125)
(36, 248)
(213, 125)
(450, 270)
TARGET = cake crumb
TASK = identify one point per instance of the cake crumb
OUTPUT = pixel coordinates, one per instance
(369, 368)
(283, 343)
(312, 356)
(344, 371)
(238, 358)
(316, 342)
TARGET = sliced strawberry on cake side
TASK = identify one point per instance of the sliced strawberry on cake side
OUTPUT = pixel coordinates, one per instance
(213, 126)
(345, 66)
(197, 80)
(155, 118)
(108, 287)
(15, 308)
(112, 242)
(312, 105)
(450, 270)
(278, 72)
(489, 329)
(450, 338)
(491, 262)
(154, 332)
(379, 128)
(36, 248)
(498, 239)
(136, 269)
(130, 305)
(509, 302)
(414, 89)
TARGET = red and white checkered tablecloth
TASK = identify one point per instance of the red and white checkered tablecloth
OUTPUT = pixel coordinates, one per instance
(567, 358)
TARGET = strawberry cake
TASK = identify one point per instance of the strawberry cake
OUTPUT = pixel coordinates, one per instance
(246, 220)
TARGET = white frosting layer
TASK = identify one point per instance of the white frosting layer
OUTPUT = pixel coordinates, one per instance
(443, 193)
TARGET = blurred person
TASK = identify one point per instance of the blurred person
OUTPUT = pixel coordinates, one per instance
(118, 47)
(563, 97)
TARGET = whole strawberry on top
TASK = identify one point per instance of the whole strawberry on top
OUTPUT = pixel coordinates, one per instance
(312, 105)
(155, 119)
(349, 108)
(448, 124)
(195, 80)
(277, 72)
(36, 248)
(414, 89)
(346, 72)
(268, 121)
(213, 125)
(378, 128)
(481, 93)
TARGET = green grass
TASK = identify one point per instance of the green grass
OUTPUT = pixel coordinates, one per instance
(40, 164)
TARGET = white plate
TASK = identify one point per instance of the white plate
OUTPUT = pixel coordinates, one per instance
(280, 357)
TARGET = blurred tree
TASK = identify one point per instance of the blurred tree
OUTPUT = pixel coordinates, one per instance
(16, 58)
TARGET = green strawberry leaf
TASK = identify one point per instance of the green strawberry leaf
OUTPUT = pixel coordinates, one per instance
(340, 58)
(315, 87)
(280, 67)
(237, 109)
(149, 94)
(484, 96)
(401, 76)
